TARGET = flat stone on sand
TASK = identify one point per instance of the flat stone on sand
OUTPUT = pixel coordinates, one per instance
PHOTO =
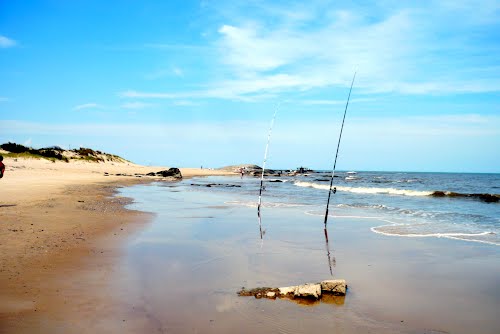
(287, 290)
(335, 286)
(308, 290)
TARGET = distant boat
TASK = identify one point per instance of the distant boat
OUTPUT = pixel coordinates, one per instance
(352, 173)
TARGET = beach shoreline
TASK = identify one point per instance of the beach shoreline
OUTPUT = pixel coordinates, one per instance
(57, 218)
(134, 254)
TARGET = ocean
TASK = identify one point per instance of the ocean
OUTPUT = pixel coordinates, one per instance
(401, 204)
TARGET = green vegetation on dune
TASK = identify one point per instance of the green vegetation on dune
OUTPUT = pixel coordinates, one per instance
(55, 153)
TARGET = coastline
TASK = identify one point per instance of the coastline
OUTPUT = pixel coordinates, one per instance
(56, 219)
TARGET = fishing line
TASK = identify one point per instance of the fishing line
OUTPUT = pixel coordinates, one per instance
(263, 169)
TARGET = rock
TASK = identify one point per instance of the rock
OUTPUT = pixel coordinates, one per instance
(335, 286)
(171, 172)
(288, 290)
(308, 290)
(271, 295)
(151, 174)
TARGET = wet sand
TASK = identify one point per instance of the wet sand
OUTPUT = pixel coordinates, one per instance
(185, 268)
(62, 228)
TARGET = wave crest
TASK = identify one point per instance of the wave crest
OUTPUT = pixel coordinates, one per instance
(366, 190)
(485, 197)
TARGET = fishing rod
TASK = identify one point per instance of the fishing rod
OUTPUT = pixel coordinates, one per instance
(337, 154)
(263, 169)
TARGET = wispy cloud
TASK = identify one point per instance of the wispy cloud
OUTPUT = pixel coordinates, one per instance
(336, 102)
(88, 106)
(6, 42)
(4, 99)
(434, 47)
(162, 73)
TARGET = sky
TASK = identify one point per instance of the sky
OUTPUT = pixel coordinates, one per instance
(196, 83)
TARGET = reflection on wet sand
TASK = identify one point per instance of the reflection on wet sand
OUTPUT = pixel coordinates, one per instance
(326, 298)
(331, 259)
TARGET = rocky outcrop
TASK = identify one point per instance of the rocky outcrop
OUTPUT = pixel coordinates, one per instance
(171, 172)
(311, 291)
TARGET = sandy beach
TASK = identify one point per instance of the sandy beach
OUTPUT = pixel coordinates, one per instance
(56, 216)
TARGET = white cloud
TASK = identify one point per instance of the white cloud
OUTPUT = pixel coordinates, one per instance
(6, 42)
(423, 48)
(263, 50)
(88, 106)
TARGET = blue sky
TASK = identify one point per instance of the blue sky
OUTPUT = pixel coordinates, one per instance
(190, 83)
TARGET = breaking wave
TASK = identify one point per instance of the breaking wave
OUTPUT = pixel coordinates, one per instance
(485, 197)
(366, 190)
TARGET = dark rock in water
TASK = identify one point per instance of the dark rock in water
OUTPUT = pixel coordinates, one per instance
(322, 180)
(488, 198)
(172, 172)
(274, 181)
(209, 185)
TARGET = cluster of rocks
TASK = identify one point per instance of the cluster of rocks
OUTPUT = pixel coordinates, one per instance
(171, 172)
(314, 291)
(216, 185)
(174, 173)
(488, 198)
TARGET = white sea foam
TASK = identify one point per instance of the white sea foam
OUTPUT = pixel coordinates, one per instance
(365, 190)
(456, 236)
(471, 237)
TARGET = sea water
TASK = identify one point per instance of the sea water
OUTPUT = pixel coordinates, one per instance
(401, 204)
